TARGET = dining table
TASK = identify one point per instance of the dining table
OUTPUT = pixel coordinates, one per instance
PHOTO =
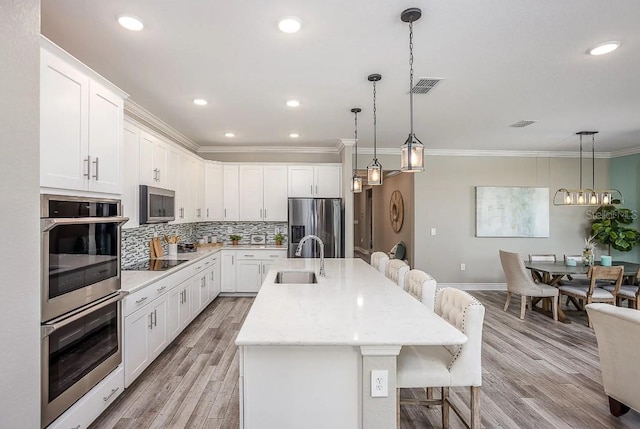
(552, 273)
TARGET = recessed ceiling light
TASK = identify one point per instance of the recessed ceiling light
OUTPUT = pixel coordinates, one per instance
(200, 101)
(130, 22)
(294, 135)
(604, 48)
(229, 135)
(290, 24)
(293, 103)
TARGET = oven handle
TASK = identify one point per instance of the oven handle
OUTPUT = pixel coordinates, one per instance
(50, 223)
(50, 327)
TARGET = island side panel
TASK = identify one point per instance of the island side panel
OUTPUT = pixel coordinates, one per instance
(289, 387)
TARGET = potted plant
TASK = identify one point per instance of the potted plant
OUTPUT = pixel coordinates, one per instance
(278, 237)
(609, 228)
(234, 239)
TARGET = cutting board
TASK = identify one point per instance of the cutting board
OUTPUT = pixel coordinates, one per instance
(155, 250)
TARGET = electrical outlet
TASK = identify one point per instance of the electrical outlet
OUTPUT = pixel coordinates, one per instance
(463, 267)
(433, 231)
(229, 230)
(379, 383)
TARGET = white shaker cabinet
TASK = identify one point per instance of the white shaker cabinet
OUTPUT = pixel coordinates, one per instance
(263, 193)
(185, 194)
(154, 161)
(197, 180)
(146, 335)
(213, 191)
(81, 127)
(131, 175)
(231, 198)
(253, 266)
(275, 193)
(251, 193)
(228, 271)
(315, 181)
(213, 278)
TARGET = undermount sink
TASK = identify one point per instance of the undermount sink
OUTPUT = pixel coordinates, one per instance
(296, 277)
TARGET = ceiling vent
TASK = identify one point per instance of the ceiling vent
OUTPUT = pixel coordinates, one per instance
(522, 124)
(425, 84)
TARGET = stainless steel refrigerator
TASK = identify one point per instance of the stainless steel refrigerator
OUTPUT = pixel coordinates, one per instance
(317, 216)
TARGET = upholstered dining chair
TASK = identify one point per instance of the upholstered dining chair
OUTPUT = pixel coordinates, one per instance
(447, 366)
(396, 270)
(630, 293)
(519, 281)
(379, 261)
(421, 286)
(589, 293)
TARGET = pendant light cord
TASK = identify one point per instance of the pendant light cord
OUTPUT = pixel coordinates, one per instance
(355, 133)
(411, 77)
(593, 161)
(375, 155)
(580, 162)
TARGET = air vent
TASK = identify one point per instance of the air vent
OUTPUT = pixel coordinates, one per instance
(425, 84)
(522, 124)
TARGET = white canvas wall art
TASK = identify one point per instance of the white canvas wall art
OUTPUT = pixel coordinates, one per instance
(512, 211)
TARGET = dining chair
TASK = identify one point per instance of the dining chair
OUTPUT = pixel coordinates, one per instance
(447, 366)
(396, 270)
(589, 293)
(421, 286)
(379, 261)
(630, 293)
(519, 281)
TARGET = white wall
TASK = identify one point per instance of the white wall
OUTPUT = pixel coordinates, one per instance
(445, 200)
(19, 187)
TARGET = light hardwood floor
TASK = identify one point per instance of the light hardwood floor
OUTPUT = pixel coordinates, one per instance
(537, 374)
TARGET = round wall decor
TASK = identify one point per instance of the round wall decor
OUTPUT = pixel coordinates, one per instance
(396, 211)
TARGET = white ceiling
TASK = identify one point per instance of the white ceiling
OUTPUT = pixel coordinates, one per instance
(503, 60)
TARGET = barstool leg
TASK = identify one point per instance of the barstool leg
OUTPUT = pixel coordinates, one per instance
(445, 408)
(475, 407)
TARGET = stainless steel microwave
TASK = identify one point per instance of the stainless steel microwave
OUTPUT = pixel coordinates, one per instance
(156, 205)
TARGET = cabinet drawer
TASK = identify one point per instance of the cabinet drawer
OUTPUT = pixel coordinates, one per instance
(91, 405)
(144, 296)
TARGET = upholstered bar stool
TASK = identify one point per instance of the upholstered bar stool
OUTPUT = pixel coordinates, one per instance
(421, 286)
(396, 270)
(379, 261)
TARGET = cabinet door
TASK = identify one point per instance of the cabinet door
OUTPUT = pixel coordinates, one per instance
(64, 122)
(146, 170)
(185, 193)
(136, 338)
(173, 170)
(228, 274)
(159, 331)
(248, 275)
(275, 193)
(161, 164)
(251, 204)
(185, 308)
(105, 139)
(300, 181)
(266, 266)
(328, 181)
(197, 181)
(199, 294)
(213, 279)
(175, 304)
(213, 192)
(230, 193)
(131, 175)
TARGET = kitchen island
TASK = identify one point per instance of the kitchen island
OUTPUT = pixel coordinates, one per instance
(307, 350)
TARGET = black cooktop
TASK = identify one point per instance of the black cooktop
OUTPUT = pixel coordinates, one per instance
(155, 265)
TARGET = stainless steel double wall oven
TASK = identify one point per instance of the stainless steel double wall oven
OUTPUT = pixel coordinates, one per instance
(81, 324)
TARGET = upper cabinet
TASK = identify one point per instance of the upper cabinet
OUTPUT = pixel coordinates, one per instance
(81, 126)
(263, 193)
(131, 176)
(231, 189)
(315, 181)
(213, 191)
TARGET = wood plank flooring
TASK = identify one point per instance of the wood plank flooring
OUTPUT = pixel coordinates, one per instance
(537, 374)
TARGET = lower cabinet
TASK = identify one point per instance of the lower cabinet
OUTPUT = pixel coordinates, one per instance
(245, 270)
(213, 279)
(228, 276)
(146, 335)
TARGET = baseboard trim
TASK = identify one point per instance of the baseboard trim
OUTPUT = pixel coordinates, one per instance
(475, 286)
(361, 250)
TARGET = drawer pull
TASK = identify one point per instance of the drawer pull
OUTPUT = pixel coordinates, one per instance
(141, 300)
(249, 256)
(160, 289)
(200, 267)
(207, 263)
(274, 256)
(76, 427)
(113, 392)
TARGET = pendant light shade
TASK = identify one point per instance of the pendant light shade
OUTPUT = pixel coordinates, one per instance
(587, 196)
(374, 169)
(356, 182)
(412, 151)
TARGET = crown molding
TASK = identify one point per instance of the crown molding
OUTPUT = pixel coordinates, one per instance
(346, 142)
(267, 149)
(139, 114)
(625, 152)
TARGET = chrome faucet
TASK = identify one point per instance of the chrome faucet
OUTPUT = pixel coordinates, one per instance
(315, 237)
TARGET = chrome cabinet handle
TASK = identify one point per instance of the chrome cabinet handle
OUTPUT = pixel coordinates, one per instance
(77, 427)
(155, 174)
(158, 174)
(207, 213)
(96, 163)
(311, 189)
(88, 173)
(265, 213)
(260, 213)
(143, 299)
(249, 256)
(225, 213)
(316, 189)
(150, 320)
(160, 289)
(198, 211)
(207, 263)
(106, 398)
(155, 317)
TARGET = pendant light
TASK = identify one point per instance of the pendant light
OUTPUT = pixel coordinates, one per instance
(356, 182)
(587, 196)
(412, 151)
(374, 169)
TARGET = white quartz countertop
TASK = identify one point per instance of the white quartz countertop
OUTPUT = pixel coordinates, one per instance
(353, 305)
(132, 281)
